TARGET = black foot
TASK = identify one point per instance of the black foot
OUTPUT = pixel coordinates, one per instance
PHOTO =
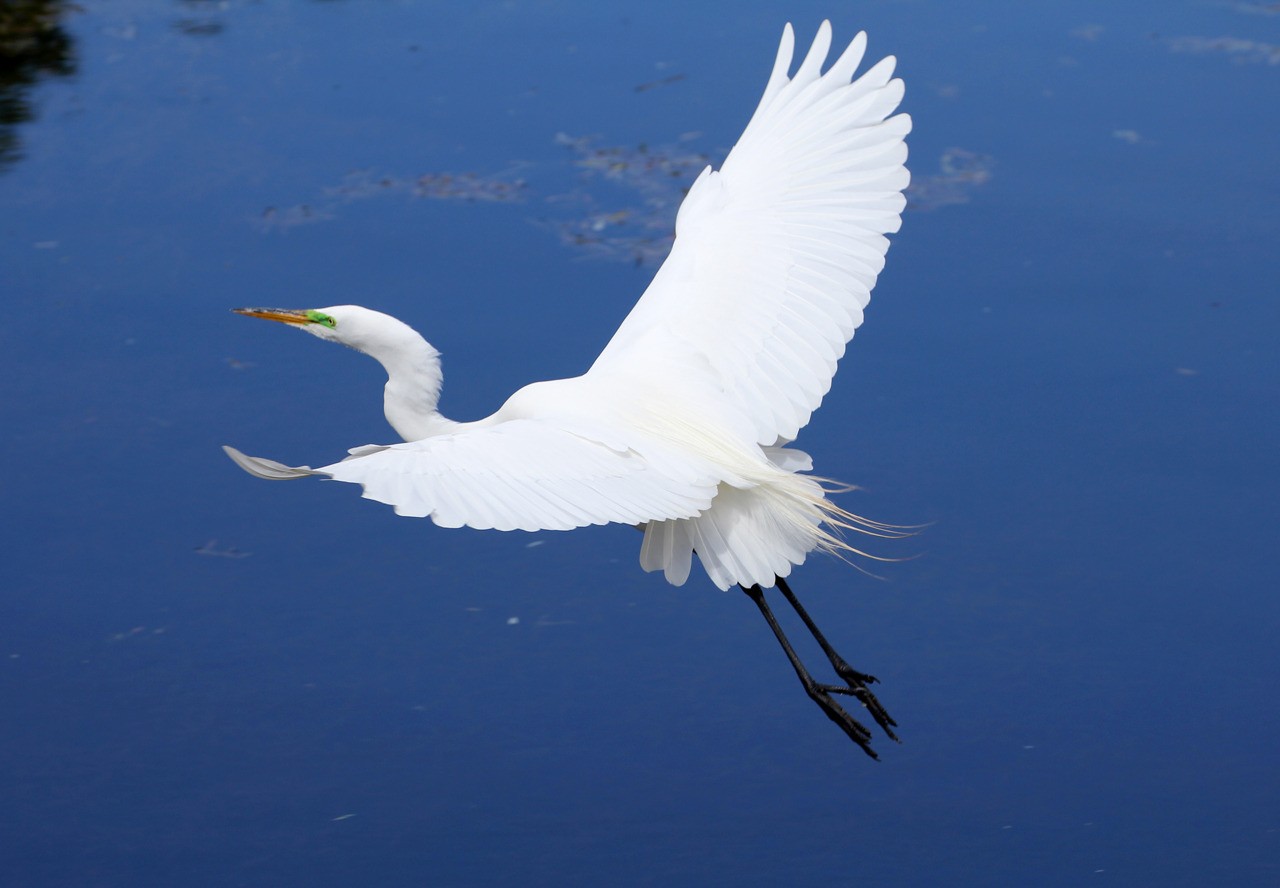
(857, 687)
(856, 730)
(855, 682)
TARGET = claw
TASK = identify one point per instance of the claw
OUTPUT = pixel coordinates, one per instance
(854, 729)
(855, 682)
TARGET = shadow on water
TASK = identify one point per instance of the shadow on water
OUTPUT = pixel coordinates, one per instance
(32, 45)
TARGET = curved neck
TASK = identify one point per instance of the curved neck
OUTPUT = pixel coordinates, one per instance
(414, 379)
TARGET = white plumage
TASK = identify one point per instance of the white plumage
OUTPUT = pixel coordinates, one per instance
(681, 423)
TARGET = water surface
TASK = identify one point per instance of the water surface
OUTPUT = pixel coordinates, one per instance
(1068, 371)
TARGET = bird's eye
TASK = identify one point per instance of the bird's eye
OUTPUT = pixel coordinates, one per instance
(320, 318)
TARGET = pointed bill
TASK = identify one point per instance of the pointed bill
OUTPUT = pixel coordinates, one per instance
(284, 315)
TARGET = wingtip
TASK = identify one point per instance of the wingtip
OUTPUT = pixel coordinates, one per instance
(786, 50)
(266, 468)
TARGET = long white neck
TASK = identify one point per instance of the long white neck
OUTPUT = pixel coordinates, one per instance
(412, 392)
(412, 364)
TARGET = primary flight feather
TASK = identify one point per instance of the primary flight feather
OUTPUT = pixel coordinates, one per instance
(681, 425)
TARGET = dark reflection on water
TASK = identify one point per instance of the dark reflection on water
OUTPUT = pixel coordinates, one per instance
(33, 45)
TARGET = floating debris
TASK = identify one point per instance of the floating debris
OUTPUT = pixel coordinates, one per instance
(469, 186)
(638, 251)
(544, 621)
(211, 549)
(648, 170)
(199, 27)
(961, 171)
(280, 219)
(137, 631)
(365, 184)
(636, 224)
(645, 87)
(641, 233)
(1240, 51)
(1257, 8)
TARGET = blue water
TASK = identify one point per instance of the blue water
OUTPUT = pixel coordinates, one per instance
(1068, 371)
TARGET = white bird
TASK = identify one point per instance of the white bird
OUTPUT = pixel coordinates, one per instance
(681, 425)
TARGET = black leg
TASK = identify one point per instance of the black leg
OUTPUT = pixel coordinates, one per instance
(821, 693)
(857, 681)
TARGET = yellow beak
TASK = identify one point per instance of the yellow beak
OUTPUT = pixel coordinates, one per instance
(284, 315)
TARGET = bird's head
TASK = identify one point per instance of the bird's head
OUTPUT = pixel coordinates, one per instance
(363, 329)
(412, 364)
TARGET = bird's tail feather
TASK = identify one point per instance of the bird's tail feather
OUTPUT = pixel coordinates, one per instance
(752, 535)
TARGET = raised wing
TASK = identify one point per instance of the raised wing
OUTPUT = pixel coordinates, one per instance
(776, 254)
(521, 474)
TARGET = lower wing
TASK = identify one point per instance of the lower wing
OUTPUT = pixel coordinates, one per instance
(523, 474)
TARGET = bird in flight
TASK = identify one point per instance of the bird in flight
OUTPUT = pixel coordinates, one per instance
(682, 425)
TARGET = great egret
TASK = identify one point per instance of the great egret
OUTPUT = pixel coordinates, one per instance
(680, 426)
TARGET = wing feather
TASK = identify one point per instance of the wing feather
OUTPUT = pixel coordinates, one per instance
(777, 253)
(525, 474)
